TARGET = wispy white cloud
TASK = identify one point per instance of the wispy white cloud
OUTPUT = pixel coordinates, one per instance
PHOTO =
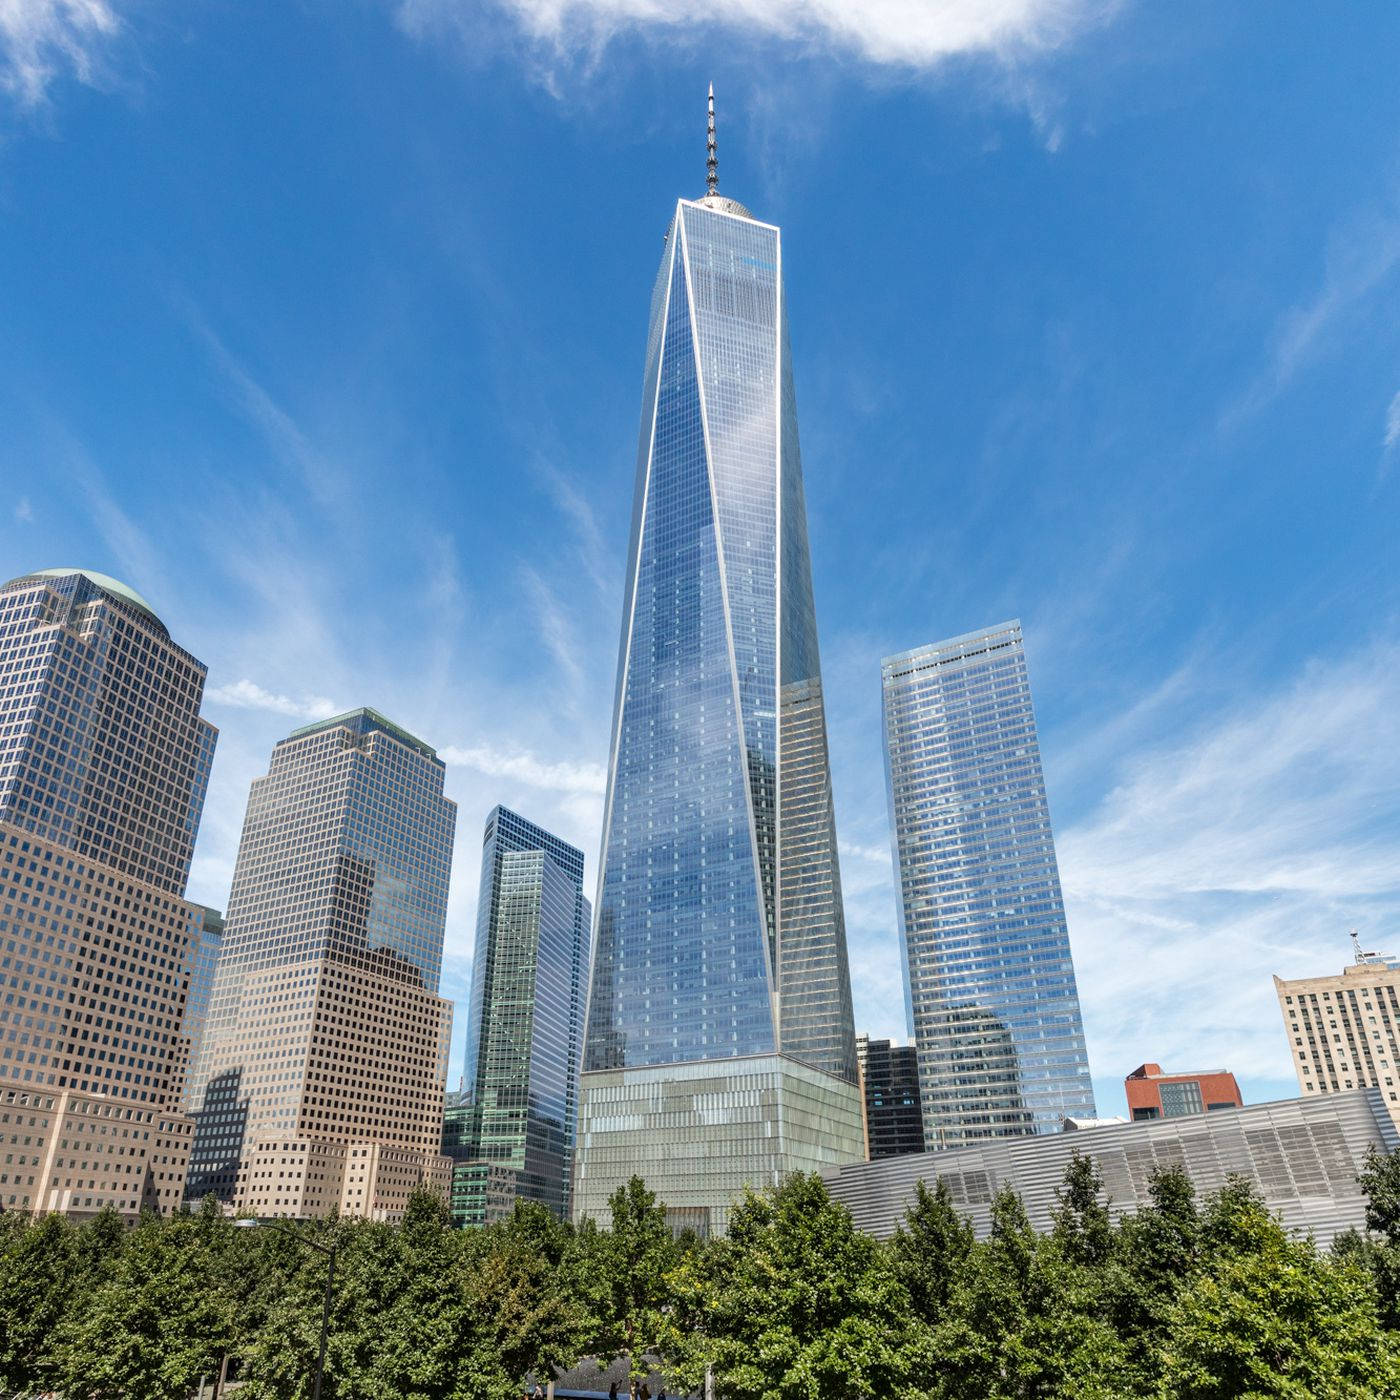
(558, 633)
(871, 855)
(911, 34)
(1392, 422)
(1362, 254)
(597, 556)
(40, 39)
(248, 695)
(1242, 849)
(130, 551)
(524, 767)
(283, 434)
(24, 511)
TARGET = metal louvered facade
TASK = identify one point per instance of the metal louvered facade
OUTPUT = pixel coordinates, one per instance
(1303, 1154)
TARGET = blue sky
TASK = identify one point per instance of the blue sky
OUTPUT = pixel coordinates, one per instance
(322, 325)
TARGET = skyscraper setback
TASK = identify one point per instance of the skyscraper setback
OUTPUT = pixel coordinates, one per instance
(992, 1001)
(525, 1028)
(104, 761)
(323, 1061)
(720, 1047)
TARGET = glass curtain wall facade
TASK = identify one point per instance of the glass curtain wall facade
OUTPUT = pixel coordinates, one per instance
(889, 1078)
(720, 931)
(525, 1031)
(104, 762)
(992, 1001)
(209, 932)
(320, 1079)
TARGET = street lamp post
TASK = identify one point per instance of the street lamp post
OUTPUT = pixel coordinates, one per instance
(329, 1251)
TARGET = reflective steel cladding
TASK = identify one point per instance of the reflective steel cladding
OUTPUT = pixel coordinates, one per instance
(720, 930)
(993, 1005)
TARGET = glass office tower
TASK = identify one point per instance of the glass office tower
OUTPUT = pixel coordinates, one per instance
(525, 1030)
(889, 1079)
(209, 933)
(989, 982)
(720, 1047)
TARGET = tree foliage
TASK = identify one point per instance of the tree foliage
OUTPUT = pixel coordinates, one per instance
(1199, 1300)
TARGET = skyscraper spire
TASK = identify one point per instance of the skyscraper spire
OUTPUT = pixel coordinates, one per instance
(711, 159)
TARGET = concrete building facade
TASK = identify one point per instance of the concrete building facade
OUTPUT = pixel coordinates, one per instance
(104, 761)
(322, 1066)
(1344, 1030)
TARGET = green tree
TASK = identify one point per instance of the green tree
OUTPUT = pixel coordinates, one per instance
(1380, 1179)
(929, 1249)
(796, 1304)
(524, 1281)
(1083, 1228)
(153, 1327)
(621, 1273)
(1157, 1252)
(38, 1275)
(1023, 1319)
(1266, 1315)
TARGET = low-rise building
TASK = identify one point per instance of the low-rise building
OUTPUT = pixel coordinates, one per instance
(1302, 1154)
(1154, 1094)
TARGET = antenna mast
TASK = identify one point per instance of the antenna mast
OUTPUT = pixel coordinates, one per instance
(711, 158)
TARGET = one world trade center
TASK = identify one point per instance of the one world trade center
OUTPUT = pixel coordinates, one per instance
(720, 1048)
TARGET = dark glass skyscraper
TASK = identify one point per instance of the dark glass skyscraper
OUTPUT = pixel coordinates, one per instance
(525, 1031)
(720, 943)
(889, 1079)
(992, 1001)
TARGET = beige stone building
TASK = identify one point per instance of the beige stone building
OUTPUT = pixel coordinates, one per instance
(1344, 1031)
(104, 761)
(320, 1074)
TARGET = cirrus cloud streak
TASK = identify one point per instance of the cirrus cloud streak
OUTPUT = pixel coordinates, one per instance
(39, 39)
(914, 34)
(1239, 849)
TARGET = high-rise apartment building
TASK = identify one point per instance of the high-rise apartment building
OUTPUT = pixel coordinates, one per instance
(1344, 1031)
(525, 1029)
(320, 1079)
(889, 1080)
(1151, 1093)
(209, 931)
(990, 988)
(104, 761)
(720, 1048)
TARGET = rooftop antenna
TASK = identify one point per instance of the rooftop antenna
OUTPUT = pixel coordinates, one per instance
(711, 159)
(1356, 947)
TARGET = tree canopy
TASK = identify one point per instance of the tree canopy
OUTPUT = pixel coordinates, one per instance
(1202, 1299)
